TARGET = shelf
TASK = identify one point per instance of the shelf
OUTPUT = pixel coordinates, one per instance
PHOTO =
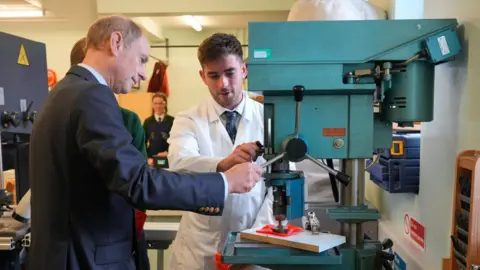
(466, 204)
(462, 231)
(464, 198)
(467, 162)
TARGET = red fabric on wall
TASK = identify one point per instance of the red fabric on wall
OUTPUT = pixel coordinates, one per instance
(159, 80)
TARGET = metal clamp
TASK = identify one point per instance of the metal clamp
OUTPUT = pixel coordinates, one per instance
(311, 223)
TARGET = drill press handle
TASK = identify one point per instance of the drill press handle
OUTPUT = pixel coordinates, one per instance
(340, 176)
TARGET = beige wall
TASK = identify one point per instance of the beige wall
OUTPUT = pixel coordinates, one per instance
(454, 129)
(186, 87)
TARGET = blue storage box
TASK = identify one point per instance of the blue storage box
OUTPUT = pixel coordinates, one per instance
(396, 175)
(398, 168)
(404, 146)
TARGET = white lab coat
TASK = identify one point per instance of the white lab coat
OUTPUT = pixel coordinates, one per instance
(332, 10)
(198, 141)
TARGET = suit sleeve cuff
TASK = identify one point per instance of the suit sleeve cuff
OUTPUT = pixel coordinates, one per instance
(225, 183)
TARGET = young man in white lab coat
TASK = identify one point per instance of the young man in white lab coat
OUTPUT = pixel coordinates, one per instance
(215, 135)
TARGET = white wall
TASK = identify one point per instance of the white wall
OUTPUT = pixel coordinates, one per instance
(186, 86)
(455, 128)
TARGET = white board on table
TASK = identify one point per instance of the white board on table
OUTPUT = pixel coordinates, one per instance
(303, 240)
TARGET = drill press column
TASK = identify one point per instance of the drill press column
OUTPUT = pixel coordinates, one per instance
(353, 195)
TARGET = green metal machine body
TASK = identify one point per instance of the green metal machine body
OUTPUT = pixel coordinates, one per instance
(332, 90)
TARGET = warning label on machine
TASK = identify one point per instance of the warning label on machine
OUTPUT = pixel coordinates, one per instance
(22, 57)
(415, 231)
(335, 132)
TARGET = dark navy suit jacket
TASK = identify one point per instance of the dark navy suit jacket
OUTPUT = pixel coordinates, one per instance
(86, 179)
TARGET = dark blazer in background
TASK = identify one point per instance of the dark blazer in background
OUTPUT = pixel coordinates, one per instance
(157, 134)
(86, 179)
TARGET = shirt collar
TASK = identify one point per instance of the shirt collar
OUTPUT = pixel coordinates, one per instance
(159, 117)
(97, 75)
(239, 109)
(215, 110)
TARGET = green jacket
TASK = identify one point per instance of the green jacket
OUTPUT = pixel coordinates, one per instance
(134, 126)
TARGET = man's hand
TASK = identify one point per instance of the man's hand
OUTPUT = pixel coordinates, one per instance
(162, 154)
(150, 162)
(243, 177)
(246, 152)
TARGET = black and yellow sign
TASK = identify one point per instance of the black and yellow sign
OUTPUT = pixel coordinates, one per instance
(22, 57)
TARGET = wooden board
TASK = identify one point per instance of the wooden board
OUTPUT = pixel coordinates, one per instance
(303, 240)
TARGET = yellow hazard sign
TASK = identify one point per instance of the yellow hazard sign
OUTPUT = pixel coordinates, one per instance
(22, 57)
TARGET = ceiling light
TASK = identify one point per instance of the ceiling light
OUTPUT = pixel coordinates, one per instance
(19, 13)
(193, 22)
(35, 3)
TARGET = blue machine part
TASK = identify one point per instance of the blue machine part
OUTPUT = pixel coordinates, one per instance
(443, 45)
(404, 146)
(399, 263)
(238, 251)
(337, 111)
(342, 42)
(340, 84)
(295, 197)
(398, 168)
(23, 82)
(396, 175)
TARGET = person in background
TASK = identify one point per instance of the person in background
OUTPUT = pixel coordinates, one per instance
(87, 178)
(218, 133)
(157, 128)
(133, 124)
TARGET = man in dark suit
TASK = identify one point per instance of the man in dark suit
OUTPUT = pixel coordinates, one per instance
(134, 127)
(86, 176)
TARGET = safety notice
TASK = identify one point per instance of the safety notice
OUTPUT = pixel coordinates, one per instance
(414, 230)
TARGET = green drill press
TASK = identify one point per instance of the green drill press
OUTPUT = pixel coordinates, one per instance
(332, 90)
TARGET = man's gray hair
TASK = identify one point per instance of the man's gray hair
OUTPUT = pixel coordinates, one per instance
(103, 28)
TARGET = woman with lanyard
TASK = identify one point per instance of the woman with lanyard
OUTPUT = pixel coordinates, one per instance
(157, 128)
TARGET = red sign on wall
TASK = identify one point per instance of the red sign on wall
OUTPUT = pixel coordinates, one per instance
(415, 231)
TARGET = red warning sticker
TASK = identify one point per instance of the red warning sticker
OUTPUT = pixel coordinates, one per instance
(334, 132)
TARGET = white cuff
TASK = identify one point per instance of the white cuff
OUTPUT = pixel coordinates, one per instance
(225, 182)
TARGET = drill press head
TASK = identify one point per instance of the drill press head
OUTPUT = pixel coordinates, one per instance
(340, 92)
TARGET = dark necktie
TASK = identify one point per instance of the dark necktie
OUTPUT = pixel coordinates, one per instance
(230, 124)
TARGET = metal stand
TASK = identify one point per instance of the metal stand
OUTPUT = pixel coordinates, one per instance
(353, 195)
(159, 236)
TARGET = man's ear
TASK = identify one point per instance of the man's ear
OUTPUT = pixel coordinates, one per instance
(116, 43)
(202, 75)
(244, 70)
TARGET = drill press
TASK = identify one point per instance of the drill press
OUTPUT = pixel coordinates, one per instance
(347, 81)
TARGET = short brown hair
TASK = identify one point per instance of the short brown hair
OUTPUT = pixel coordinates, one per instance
(219, 45)
(78, 52)
(102, 29)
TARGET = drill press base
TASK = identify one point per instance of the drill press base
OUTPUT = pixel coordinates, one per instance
(275, 257)
(303, 240)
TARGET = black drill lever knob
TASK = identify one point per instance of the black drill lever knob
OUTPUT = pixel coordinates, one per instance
(387, 243)
(260, 151)
(298, 91)
(343, 178)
